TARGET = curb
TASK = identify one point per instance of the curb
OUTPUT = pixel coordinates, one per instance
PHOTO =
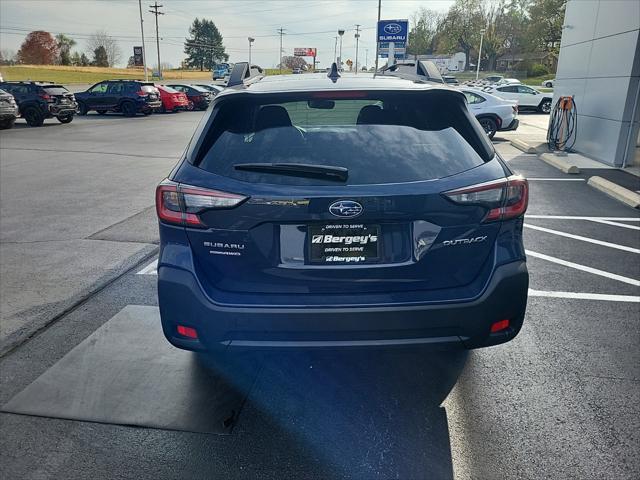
(561, 163)
(522, 145)
(615, 191)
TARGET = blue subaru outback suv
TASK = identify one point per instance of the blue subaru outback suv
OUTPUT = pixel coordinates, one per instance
(325, 211)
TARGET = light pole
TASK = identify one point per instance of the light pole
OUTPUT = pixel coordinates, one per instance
(335, 49)
(251, 40)
(479, 53)
(144, 54)
(340, 33)
(357, 36)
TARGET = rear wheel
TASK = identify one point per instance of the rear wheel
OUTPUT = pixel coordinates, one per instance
(489, 125)
(190, 106)
(545, 106)
(101, 112)
(82, 108)
(7, 124)
(65, 118)
(147, 112)
(33, 116)
(128, 109)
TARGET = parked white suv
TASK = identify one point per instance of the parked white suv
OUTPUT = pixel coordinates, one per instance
(526, 96)
(494, 113)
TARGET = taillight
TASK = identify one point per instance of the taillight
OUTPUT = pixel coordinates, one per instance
(46, 96)
(504, 199)
(181, 204)
(142, 93)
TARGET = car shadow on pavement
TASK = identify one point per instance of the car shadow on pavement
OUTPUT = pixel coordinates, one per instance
(357, 414)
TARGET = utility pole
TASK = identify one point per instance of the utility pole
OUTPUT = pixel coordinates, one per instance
(156, 11)
(357, 35)
(281, 32)
(479, 53)
(335, 49)
(377, 43)
(366, 58)
(144, 54)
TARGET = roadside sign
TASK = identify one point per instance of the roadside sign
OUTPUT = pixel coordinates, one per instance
(304, 52)
(393, 30)
(138, 60)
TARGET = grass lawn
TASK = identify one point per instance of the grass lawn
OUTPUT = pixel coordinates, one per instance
(66, 75)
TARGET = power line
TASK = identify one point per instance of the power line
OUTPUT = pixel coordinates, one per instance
(156, 11)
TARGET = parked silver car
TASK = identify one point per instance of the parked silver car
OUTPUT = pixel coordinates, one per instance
(8, 110)
(494, 113)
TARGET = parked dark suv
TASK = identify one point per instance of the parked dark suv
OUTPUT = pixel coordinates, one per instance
(127, 96)
(316, 210)
(38, 101)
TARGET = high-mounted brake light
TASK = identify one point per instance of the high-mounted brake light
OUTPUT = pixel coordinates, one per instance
(505, 198)
(181, 204)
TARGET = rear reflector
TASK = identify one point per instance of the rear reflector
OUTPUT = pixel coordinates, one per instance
(504, 198)
(181, 204)
(499, 326)
(187, 332)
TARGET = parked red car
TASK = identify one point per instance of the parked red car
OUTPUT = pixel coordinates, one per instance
(172, 100)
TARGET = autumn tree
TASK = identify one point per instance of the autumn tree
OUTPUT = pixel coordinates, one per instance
(461, 27)
(545, 25)
(292, 63)
(423, 33)
(39, 48)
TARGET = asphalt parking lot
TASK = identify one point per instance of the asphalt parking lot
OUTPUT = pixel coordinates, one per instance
(78, 245)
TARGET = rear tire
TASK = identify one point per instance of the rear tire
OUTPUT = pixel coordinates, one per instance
(190, 106)
(489, 125)
(82, 108)
(545, 106)
(7, 124)
(147, 112)
(33, 116)
(128, 109)
(65, 118)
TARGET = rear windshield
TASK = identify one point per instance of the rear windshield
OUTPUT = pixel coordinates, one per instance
(378, 137)
(55, 90)
(169, 89)
(149, 88)
(199, 89)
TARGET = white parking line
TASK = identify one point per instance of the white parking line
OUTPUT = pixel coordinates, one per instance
(584, 239)
(151, 269)
(573, 217)
(615, 224)
(556, 179)
(585, 296)
(584, 268)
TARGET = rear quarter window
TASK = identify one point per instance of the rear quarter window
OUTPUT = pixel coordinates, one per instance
(383, 138)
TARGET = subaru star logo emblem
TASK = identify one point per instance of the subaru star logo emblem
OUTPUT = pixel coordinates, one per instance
(345, 208)
(392, 28)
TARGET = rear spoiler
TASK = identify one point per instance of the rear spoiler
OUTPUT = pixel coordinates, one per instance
(424, 71)
(243, 75)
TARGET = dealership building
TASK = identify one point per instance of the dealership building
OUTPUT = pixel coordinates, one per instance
(599, 64)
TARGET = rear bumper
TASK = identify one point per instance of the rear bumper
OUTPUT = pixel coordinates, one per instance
(512, 126)
(463, 324)
(63, 109)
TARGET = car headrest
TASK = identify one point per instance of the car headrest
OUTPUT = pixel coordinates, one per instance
(370, 115)
(272, 116)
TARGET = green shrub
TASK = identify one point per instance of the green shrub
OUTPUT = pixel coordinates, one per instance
(537, 70)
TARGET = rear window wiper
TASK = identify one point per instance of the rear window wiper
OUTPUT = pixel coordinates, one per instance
(298, 169)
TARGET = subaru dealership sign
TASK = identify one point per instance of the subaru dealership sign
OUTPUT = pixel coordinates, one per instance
(393, 30)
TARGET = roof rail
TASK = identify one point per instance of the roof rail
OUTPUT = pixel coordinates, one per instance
(422, 71)
(243, 75)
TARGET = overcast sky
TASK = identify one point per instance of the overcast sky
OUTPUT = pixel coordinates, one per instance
(308, 23)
